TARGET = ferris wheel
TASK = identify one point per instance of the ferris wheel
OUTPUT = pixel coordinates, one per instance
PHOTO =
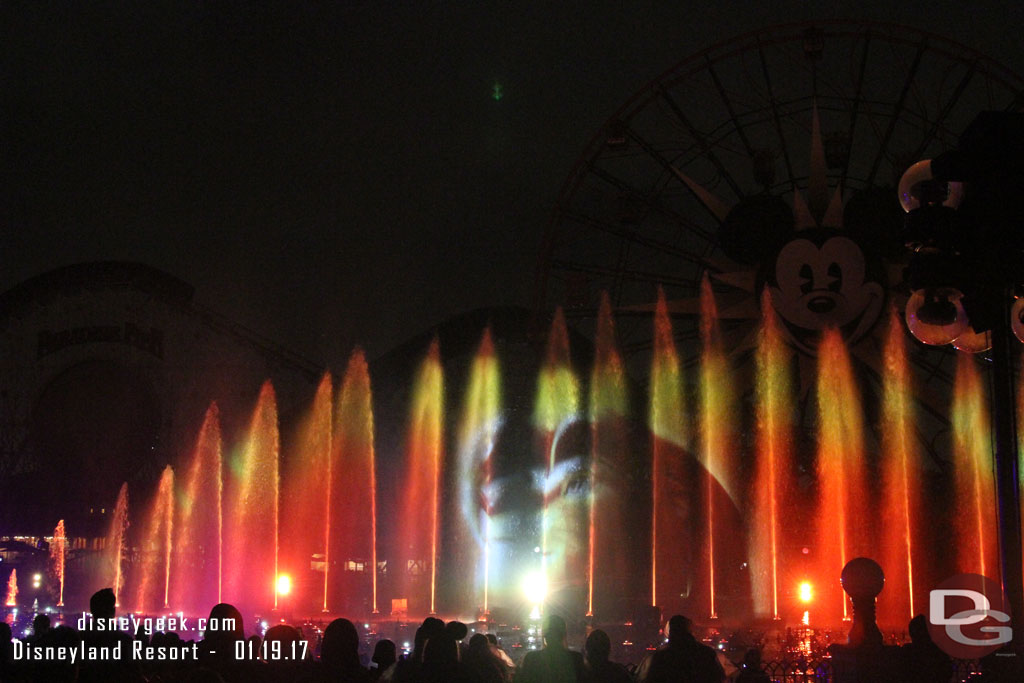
(744, 164)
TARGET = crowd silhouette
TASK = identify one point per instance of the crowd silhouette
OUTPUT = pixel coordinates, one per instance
(440, 654)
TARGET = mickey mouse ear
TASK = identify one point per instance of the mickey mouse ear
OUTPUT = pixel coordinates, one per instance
(755, 227)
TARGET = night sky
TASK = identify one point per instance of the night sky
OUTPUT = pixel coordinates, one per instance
(340, 173)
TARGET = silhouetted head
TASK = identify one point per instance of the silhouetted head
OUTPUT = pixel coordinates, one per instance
(440, 648)
(341, 644)
(384, 654)
(479, 643)
(555, 631)
(752, 659)
(429, 628)
(456, 629)
(41, 624)
(284, 634)
(678, 629)
(228, 622)
(598, 647)
(102, 603)
(492, 639)
(918, 629)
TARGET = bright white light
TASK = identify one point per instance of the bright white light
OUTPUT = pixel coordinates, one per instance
(535, 613)
(806, 592)
(37, 577)
(284, 584)
(535, 587)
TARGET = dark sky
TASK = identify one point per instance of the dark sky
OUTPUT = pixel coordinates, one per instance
(338, 173)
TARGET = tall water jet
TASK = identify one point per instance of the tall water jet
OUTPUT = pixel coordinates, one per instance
(609, 460)
(354, 483)
(198, 574)
(771, 487)
(556, 409)
(116, 543)
(973, 478)
(251, 510)
(305, 493)
(478, 430)
(419, 526)
(670, 485)
(12, 589)
(901, 478)
(156, 546)
(58, 558)
(716, 418)
(842, 495)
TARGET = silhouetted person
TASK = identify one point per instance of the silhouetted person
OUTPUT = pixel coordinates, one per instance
(751, 671)
(441, 661)
(407, 669)
(220, 647)
(6, 649)
(598, 649)
(384, 656)
(102, 606)
(556, 663)
(501, 654)
(922, 659)
(682, 660)
(40, 627)
(481, 664)
(339, 652)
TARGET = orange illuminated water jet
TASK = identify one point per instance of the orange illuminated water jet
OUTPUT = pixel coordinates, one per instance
(353, 479)
(609, 457)
(419, 522)
(305, 483)
(716, 418)
(156, 544)
(842, 478)
(974, 485)
(12, 589)
(771, 485)
(251, 511)
(666, 419)
(478, 431)
(901, 475)
(556, 408)
(58, 557)
(116, 541)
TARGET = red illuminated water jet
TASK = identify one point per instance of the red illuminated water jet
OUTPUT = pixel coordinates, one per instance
(116, 543)
(198, 557)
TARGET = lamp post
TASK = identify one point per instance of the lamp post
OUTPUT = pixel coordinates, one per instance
(965, 230)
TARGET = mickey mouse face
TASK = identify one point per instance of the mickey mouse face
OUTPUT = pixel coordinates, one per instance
(820, 280)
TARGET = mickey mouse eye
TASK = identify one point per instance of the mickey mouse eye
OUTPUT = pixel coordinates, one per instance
(835, 273)
(807, 278)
